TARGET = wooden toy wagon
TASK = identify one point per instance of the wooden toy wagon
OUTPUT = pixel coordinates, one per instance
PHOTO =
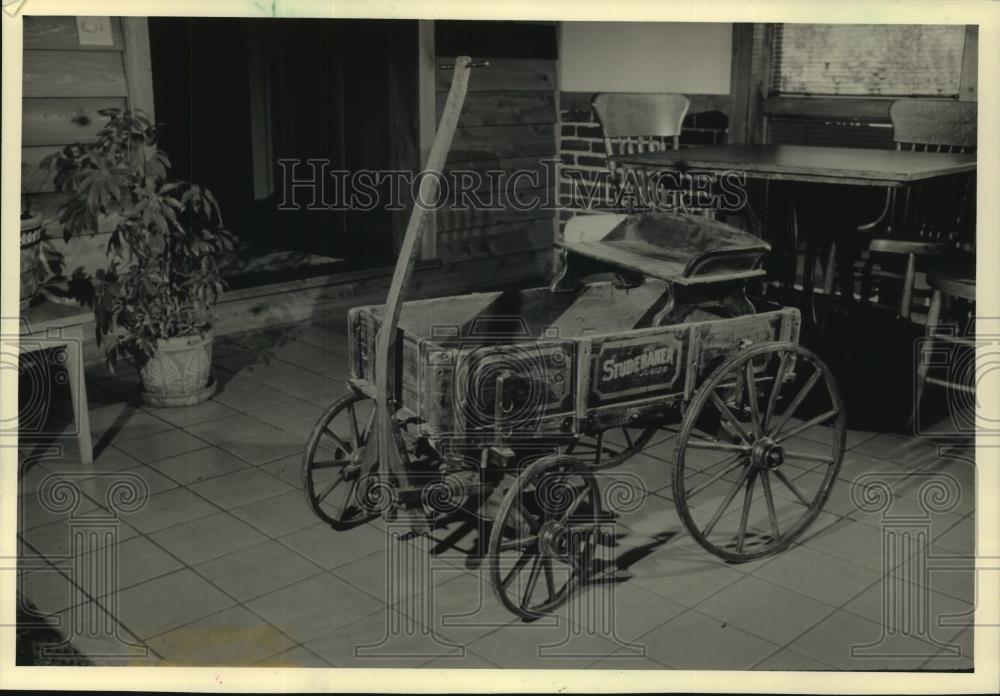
(510, 405)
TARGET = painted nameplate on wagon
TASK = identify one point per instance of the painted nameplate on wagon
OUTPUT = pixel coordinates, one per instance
(640, 367)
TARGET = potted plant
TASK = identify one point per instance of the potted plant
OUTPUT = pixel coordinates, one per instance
(154, 301)
(31, 238)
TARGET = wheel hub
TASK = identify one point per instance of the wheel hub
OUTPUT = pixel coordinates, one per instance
(553, 539)
(767, 454)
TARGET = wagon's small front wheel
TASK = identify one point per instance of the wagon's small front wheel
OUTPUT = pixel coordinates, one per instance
(543, 539)
(334, 477)
(753, 491)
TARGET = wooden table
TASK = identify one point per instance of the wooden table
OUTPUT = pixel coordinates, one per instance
(827, 165)
(808, 164)
(52, 325)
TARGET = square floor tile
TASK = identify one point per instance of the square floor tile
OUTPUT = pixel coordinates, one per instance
(136, 560)
(685, 580)
(288, 469)
(695, 641)
(310, 608)
(161, 445)
(250, 397)
(257, 570)
(948, 661)
(232, 427)
(199, 465)
(542, 645)
(898, 604)
(266, 447)
(232, 638)
(786, 660)
(959, 538)
(292, 410)
(108, 461)
(239, 488)
(279, 515)
(818, 575)
(766, 610)
(159, 605)
(463, 610)
(44, 506)
(329, 548)
(169, 508)
(59, 539)
(296, 657)
(207, 538)
(857, 542)
(847, 641)
(383, 639)
(390, 577)
(107, 489)
(620, 611)
(130, 425)
(49, 590)
(102, 639)
(190, 415)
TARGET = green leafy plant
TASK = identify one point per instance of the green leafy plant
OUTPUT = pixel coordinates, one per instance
(162, 278)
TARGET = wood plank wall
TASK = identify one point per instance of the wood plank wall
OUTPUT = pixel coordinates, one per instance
(65, 85)
(508, 124)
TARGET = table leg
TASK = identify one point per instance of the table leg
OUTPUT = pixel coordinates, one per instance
(78, 392)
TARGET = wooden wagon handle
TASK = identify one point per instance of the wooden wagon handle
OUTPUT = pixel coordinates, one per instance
(429, 188)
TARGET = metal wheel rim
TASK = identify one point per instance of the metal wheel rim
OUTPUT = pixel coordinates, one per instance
(316, 493)
(756, 473)
(503, 578)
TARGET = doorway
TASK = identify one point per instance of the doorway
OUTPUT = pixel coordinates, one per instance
(234, 96)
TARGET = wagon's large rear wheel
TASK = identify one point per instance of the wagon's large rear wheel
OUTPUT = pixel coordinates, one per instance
(751, 492)
(543, 539)
(334, 478)
(612, 447)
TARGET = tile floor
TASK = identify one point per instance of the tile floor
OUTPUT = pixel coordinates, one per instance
(224, 564)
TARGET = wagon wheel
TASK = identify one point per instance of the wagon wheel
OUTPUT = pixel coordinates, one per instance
(333, 478)
(542, 543)
(791, 392)
(611, 447)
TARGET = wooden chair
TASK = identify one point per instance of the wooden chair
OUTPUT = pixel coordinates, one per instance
(638, 123)
(955, 279)
(927, 218)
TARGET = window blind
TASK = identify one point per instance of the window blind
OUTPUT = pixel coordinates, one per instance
(899, 60)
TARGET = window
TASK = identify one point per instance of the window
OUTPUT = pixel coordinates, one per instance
(898, 60)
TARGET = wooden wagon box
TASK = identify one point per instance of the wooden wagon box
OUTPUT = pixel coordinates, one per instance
(532, 362)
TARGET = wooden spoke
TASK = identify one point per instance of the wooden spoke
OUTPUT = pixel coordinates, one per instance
(790, 486)
(759, 453)
(752, 399)
(516, 568)
(725, 503)
(600, 450)
(340, 443)
(765, 483)
(728, 415)
(797, 401)
(772, 398)
(628, 438)
(805, 425)
(339, 509)
(721, 446)
(550, 580)
(529, 588)
(577, 501)
(355, 432)
(745, 513)
(806, 456)
(523, 543)
(702, 486)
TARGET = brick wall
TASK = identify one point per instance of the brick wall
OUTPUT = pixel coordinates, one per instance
(581, 145)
